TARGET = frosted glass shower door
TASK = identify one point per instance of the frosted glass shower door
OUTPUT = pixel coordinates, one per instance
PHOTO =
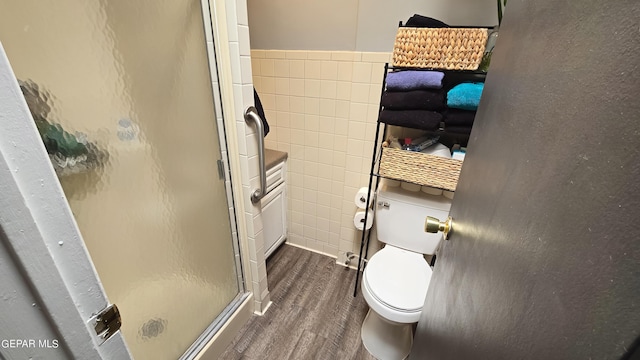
(121, 93)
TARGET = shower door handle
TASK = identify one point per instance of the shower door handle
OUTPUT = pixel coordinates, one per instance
(251, 115)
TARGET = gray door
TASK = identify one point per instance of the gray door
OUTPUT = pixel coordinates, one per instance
(544, 261)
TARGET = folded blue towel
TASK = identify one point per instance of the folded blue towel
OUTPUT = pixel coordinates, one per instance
(414, 80)
(465, 96)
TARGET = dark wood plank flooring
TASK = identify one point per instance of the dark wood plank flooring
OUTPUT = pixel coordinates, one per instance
(313, 316)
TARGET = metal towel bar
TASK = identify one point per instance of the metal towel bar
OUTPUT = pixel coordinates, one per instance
(251, 115)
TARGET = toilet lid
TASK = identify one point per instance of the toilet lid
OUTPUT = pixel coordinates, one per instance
(398, 278)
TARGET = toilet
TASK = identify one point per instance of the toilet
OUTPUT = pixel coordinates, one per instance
(396, 278)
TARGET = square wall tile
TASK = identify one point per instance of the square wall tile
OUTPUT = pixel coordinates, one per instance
(282, 86)
(267, 67)
(325, 172)
(377, 75)
(339, 158)
(243, 40)
(343, 90)
(356, 130)
(326, 141)
(282, 103)
(375, 92)
(296, 69)
(341, 129)
(328, 89)
(312, 106)
(312, 69)
(312, 88)
(327, 125)
(345, 71)
(234, 54)
(267, 85)
(358, 112)
(257, 83)
(296, 87)
(310, 202)
(281, 68)
(360, 93)
(283, 119)
(342, 109)
(241, 10)
(297, 120)
(311, 138)
(297, 138)
(361, 72)
(296, 103)
(325, 156)
(329, 70)
(327, 107)
(255, 65)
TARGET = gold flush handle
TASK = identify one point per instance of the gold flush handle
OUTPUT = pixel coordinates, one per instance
(433, 225)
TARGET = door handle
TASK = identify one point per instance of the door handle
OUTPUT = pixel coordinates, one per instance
(433, 225)
(251, 115)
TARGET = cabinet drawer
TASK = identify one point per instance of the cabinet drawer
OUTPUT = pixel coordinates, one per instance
(275, 176)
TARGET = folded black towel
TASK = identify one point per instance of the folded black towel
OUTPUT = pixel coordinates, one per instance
(455, 117)
(417, 119)
(413, 100)
(425, 22)
(459, 130)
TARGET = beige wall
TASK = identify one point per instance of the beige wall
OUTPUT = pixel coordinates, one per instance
(352, 25)
(322, 108)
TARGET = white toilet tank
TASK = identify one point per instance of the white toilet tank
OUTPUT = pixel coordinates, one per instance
(400, 217)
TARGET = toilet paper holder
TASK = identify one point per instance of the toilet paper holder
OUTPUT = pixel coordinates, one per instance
(433, 225)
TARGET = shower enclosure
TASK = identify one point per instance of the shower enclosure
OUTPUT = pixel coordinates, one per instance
(121, 93)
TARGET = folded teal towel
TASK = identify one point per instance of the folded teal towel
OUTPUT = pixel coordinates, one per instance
(465, 96)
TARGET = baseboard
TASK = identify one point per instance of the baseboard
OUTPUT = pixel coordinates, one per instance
(218, 344)
(264, 311)
(312, 250)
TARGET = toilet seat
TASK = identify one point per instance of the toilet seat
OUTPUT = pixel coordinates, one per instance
(395, 284)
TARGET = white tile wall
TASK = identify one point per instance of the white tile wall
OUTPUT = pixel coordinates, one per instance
(322, 108)
(242, 69)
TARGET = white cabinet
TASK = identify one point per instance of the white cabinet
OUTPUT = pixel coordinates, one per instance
(274, 208)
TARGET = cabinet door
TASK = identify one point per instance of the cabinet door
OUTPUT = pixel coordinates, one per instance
(274, 218)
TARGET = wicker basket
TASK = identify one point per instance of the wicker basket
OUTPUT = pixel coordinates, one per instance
(439, 48)
(419, 168)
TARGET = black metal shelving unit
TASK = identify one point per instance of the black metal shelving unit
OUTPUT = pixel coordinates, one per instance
(376, 155)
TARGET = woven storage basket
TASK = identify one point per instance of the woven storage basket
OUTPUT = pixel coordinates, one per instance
(439, 48)
(419, 168)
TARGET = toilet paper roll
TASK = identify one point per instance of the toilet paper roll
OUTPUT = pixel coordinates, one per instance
(391, 183)
(449, 194)
(361, 198)
(431, 190)
(358, 219)
(410, 187)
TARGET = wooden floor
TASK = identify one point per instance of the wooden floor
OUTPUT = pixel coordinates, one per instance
(313, 316)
